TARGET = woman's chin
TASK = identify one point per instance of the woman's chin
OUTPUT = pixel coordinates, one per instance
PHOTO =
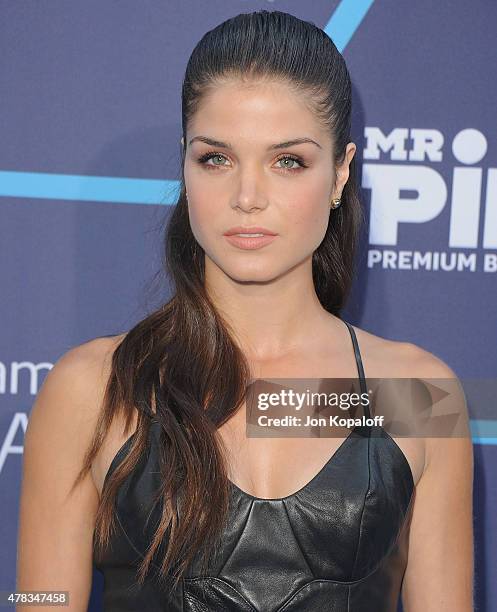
(251, 274)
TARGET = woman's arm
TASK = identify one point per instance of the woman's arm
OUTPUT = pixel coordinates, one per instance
(439, 574)
(55, 527)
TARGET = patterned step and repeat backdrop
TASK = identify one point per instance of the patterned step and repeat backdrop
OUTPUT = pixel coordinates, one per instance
(89, 164)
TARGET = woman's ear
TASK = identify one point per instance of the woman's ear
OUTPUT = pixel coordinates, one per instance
(343, 170)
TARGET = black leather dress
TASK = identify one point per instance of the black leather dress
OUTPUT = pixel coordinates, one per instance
(339, 544)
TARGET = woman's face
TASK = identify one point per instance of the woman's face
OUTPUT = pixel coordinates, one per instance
(247, 178)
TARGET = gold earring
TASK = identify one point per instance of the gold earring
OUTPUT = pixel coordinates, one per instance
(335, 203)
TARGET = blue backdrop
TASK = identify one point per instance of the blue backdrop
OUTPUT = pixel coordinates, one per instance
(89, 162)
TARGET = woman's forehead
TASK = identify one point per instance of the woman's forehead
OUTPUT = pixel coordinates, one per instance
(233, 116)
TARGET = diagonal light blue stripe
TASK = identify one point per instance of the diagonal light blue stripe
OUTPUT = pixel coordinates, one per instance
(483, 431)
(87, 188)
(345, 21)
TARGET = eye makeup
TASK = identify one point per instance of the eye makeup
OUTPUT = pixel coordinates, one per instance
(203, 159)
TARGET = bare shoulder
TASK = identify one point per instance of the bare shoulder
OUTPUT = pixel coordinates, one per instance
(383, 357)
(83, 370)
(84, 357)
(68, 403)
(398, 358)
(90, 357)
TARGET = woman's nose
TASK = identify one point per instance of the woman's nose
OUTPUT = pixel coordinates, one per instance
(251, 195)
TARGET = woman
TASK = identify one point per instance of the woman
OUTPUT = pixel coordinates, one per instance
(152, 422)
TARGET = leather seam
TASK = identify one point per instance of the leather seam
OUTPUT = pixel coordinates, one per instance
(403, 458)
(186, 580)
(297, 540)
(368, 492)
(349, 584)
(236, 543)
(392, 546)
(140, 554)
(193, 599)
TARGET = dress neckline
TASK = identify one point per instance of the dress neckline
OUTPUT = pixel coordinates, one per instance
(327, 465)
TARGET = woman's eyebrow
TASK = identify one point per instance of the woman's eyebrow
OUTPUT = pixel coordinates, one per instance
(280, 145)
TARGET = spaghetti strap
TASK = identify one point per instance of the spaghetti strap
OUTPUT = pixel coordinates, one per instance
(360, 368)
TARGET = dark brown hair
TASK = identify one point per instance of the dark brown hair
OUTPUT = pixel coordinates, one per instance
(184, 353)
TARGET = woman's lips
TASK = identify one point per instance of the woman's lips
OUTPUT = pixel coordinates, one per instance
(249, 243)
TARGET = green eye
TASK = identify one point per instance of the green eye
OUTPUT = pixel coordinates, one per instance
(290, 159)
(205, 158)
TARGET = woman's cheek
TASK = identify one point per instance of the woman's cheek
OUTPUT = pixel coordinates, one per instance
(203, 223)
(310, 221)
(197, 222)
